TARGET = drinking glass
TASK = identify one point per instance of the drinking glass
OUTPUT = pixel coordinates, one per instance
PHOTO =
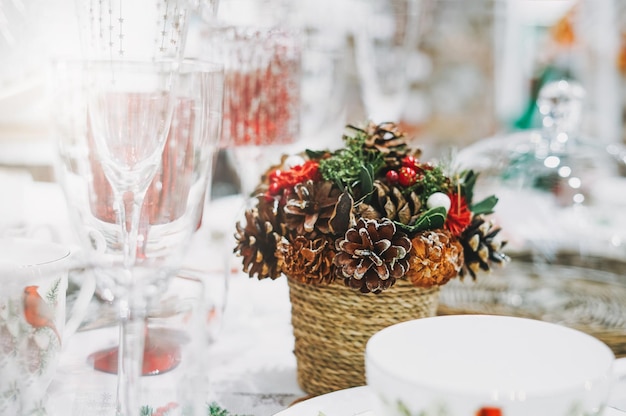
(135, 183)
(324, 81)
(262, 60)
(36, 320)
(385, 35)
(130, 107)
(130, 110)
(144, 30)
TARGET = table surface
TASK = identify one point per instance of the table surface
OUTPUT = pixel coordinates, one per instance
(252, 365)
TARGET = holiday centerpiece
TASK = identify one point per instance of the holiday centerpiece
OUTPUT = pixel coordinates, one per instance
(365, 235)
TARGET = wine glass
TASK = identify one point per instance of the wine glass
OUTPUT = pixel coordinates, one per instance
(130, 107)
(324, 77)
(262, 61)
(385, 36)
(136, 182)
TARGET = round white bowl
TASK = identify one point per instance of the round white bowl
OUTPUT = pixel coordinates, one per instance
(467, 365)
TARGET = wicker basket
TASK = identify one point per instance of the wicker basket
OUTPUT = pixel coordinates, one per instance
(333, 323)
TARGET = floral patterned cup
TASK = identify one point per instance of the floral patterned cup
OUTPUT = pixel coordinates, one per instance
(483, 365)
(33, 326)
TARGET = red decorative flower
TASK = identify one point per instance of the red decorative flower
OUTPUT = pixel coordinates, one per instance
(281, 180)
(459, 215)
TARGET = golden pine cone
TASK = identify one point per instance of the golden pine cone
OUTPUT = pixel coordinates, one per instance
(309, 261)
(436, 257)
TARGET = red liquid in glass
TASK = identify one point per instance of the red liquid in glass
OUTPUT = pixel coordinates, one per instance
(160, 354)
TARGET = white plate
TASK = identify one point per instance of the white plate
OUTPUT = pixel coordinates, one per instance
(356, 401)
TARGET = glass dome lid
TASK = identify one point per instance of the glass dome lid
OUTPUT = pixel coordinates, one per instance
(558, 189)
(562, 208)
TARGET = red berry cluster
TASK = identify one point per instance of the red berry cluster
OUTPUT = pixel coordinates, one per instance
(410, 172)
(281, 180)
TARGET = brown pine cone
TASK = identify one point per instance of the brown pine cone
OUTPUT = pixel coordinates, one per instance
(481, 246)
(310, 206)
(372, 255)
(342, 217)
(259, 240)
(390, 141)
(436, 257)
(390, 202)
(310, 261)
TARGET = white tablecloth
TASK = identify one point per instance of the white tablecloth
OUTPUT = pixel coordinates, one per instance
(252, 366)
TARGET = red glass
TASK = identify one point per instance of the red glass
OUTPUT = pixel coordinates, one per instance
(261, 84)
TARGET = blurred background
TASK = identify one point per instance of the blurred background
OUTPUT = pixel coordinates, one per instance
(468, 71)
(473, 68)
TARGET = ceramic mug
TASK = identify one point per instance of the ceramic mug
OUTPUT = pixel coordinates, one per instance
(484, 365)
(33, 324)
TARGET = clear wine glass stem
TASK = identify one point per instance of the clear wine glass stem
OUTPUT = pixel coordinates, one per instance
(132, 305)
(129, 208)
(132, 329)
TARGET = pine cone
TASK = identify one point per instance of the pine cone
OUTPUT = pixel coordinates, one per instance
(342, 217)
(372, 255)
(436, 257)
(390, 202)
(310, 206)
(390, 141)
(310, 261)
(259, 241)
(481, 246)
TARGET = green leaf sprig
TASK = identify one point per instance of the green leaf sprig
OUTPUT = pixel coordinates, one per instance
(467, 182)
(213, 409)
(352, 166)
(53, 293)
(433, 180)
(431, 219)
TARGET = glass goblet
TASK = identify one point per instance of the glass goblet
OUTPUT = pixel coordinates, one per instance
(170, 207)
(262, 64)
(385, 37)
